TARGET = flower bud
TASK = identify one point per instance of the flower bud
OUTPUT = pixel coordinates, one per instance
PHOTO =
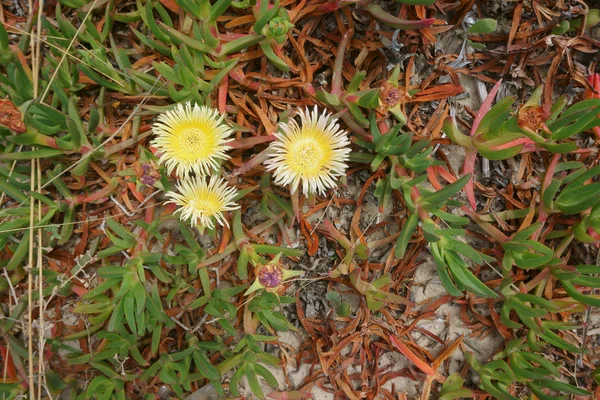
(277, 29)
(271, 276)
(147, 172)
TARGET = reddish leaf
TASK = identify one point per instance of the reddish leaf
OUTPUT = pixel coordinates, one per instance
(11, 117)
(471, 155)
(402, 348)
(78, 290)
(10, 371)
(312, 240)
(485, 107)
(448, 352)
(171, 5)
(438, 93)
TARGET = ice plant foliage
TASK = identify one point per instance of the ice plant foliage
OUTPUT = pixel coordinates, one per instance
(191, 138)
(311, 154)
(203, 201)
(528, 278)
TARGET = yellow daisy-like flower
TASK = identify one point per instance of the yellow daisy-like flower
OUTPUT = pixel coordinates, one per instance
(313, 153)
(200, 201)
(191, 138)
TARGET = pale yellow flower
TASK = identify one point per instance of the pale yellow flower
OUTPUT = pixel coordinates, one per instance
(200, 202)
(191, 138)
(311, 154)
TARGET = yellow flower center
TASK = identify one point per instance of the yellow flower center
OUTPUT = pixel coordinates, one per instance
(195, 143)
(308, 156)
(207, 203)
(194, 139)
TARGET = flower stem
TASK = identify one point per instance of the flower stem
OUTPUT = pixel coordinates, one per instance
(336, 80)
(237, 229)
(396, 22)
(295, 197)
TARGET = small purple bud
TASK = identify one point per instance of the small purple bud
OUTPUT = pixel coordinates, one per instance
(147, 172)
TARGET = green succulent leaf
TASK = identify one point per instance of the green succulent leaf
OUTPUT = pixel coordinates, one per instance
(487, 25)
(578, 199)
(434, 199)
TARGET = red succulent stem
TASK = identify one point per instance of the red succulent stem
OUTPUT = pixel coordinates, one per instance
(594, 81)
(533, 147)
(354, 127)
(432, 176)
(336, 235)
(444, 173)
(169, 209)
(138, 196)
(490, 229)
(383, 127)
(278, 50)
(295, 198)
(148, 218)
(101, 194)
(143, 235)
(415, 195)
(396, 22)
(512, 143)
(550, 172)
(543, 213)
(471, 153)
(336, 80)
(50, 142)
(332, 5)
(593, 234)
(238, 75)
(310, 89)
(485, 107)
(469, 168)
